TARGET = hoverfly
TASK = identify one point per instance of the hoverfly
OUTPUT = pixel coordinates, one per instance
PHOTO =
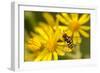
(69, 40)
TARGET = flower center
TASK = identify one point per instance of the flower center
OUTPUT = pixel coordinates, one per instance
(51, 44)
(74, 26)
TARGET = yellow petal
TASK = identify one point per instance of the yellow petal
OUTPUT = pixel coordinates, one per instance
(49, 18)
(69, 32)
(33, 47)
(46, 28)
(45, 58)
(61, 43)
(85, 27)
(30, 40)
(85, 34)
(60, 52)
(36, 41)
(41, 33)
(84, 18)
(66, 49)
(40, 56)
(74, 16)
(57, 34)
(76, 38)
(76, 34)
(49, 56)
(66, 16)
(63, 28)
(33, 44)
(55, 56)
(57, 22)
(61, 19)
(40, 39)
(50, 30)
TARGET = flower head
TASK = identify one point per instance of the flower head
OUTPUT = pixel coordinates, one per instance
(74, 24)
(46, 41)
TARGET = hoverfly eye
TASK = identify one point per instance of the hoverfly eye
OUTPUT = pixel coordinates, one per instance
(64, 36)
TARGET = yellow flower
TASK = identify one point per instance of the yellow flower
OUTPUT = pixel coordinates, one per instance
(74, 24)
(45, 40)
(50, 20)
